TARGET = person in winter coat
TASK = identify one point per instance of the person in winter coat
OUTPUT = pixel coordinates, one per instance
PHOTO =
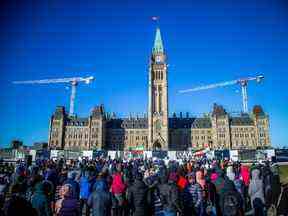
(238, 183)
(100, 200)
(245, 175)
(75, 185)
(256, 192)
(182, 181)
(205, 190)
(84, 192)
(51, 175)
(276, 196)
(118, 189)
(283, 207)
(40, 202)
(192, 196)
(17, 204)
(67, 205)
(169, 195)
(137, 197)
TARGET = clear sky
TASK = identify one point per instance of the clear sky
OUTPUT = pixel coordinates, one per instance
(206, 41)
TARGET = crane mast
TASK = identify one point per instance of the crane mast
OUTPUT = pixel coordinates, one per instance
(243, 82)
(73, 82)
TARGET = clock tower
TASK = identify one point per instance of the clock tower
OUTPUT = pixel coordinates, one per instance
(158, 97)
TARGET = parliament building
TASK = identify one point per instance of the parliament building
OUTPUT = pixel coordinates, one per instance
(158, 130)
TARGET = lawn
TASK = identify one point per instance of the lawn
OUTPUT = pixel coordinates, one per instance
(284, 173)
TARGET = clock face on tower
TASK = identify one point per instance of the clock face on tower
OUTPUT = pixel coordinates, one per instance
(158, 59)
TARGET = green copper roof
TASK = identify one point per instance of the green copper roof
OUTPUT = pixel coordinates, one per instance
(158, 45)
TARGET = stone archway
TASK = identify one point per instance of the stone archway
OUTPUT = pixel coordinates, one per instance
(157, 145)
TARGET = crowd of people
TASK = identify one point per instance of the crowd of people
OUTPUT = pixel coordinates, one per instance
(141, 187)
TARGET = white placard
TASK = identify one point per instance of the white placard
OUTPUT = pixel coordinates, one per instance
(87, 154)
(53, 153)
(234, 155)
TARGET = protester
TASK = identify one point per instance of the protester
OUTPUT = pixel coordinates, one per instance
(40, 201)
(137, 197)
(74, 184)
(169, 194)
(100, 200)
(84, 193)
(118, 189)
(256, 192)
(138, 187)
(192, 196)
(67, 205)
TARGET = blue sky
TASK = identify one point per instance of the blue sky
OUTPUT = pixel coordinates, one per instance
(206, 41)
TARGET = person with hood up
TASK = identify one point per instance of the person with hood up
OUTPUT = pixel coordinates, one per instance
(137, 196)
(100, 200)
(67, 205)
(256, 192)
(192, 196)
(40, 202)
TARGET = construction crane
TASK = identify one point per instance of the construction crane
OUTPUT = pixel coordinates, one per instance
(243, 82)
(73, 81)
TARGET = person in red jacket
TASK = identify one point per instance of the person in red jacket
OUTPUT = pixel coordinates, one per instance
(118, 189)
(182, 181)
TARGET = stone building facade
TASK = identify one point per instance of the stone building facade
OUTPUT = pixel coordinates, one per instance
(217, 130)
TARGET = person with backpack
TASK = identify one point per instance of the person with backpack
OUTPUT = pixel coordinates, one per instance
(238, 183)
(256, 192)
(229, 198)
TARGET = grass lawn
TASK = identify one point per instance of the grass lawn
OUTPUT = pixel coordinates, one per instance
(284, 173)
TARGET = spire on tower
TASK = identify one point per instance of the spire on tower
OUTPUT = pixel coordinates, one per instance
(158, 44)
